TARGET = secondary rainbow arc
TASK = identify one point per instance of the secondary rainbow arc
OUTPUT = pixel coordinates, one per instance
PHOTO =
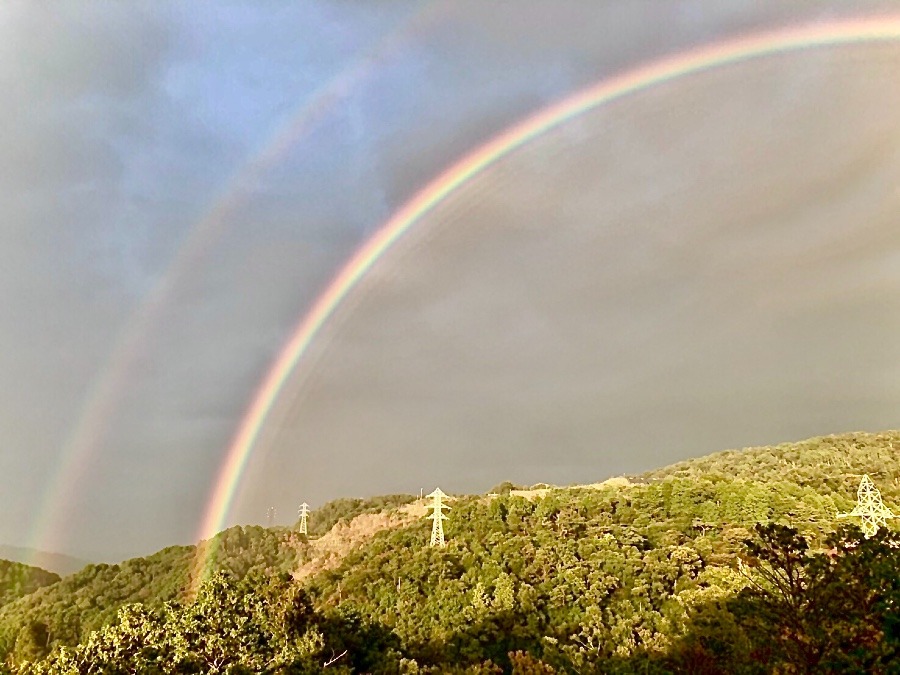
(80, 448)
(832, 33)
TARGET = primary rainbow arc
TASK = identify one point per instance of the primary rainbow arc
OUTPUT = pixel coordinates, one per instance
(832, 33)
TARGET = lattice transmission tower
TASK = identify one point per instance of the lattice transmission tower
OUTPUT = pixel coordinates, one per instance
(303, 514)
(437, 529)
(869, 508)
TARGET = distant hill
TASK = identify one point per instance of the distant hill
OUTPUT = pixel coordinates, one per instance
(62, 565)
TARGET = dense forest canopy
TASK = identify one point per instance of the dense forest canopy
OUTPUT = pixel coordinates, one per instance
(733, 562)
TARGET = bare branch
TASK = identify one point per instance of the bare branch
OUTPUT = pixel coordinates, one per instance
(334, 658)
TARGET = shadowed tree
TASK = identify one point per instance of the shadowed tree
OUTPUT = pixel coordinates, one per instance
(805, 612)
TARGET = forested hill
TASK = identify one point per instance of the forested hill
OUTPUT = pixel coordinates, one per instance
(663, 573)
(76, 605)
(827, 464)
(89, 599)
(18, 580)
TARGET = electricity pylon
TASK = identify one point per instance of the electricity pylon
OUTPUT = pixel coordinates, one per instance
(437, 529)
(304, 516)
(270, 516)
(869, 507)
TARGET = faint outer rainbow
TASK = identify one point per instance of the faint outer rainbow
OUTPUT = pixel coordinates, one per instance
(831, 33)
(80, 447)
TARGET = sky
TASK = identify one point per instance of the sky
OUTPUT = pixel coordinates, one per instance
(708, 263)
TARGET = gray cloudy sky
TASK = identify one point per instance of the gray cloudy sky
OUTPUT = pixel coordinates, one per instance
(711, 263)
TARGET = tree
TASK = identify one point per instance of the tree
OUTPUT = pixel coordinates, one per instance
(826, 610)
(32, 643)
(256, 625)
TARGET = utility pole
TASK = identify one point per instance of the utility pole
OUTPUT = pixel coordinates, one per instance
(304, 517)
(437, 529)
(270, 516)
(869, 508)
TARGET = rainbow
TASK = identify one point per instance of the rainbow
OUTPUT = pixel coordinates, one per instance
(86, 435)
(832, 33)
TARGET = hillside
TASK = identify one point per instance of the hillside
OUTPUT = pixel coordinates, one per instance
(89, 599)
(620, 566)
(621, 576)
(607, 573)
(18, 580)
(76, 605)
(346, 509)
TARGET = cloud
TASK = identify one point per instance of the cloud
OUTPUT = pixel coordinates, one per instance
(561, 288)
(692, 270)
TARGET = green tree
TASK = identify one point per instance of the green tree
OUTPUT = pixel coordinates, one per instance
(252, 626)
(835, 609)
(32, 643)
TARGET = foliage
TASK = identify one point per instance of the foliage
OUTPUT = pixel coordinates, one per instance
(78, 604)
(254, 626)
(828, 465)
(568, 578)
(18, 580)
(829, 610)
(505, 488)
(701, 568)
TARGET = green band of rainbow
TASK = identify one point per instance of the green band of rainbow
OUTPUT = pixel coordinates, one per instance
(840, 32)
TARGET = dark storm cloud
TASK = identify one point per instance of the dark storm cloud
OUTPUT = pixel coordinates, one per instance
(123, 127)
(706, 265)
(478, 77)
(127, 125)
